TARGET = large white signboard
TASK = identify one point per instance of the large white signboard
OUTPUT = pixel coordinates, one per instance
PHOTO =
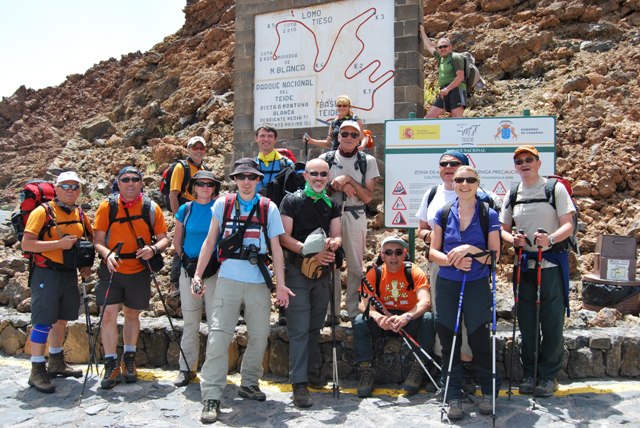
(305, 58)
(413, 149)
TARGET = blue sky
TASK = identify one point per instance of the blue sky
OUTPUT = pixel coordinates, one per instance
(44, 41)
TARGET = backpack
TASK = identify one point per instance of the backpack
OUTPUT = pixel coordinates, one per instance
(33, 194)
(484, 218)
(262, 213)
(472, 77)
(288, 154)
(165, 181)
(289, 180)
(549, 191)
(361, 163)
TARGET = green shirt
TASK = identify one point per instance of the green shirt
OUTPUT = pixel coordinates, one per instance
(447, 69)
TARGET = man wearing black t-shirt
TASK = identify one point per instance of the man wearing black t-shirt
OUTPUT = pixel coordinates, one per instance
(302, 213)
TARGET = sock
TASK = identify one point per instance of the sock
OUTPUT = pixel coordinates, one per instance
(114, 356)
(38, 359)
(129, 348)
(53, 350)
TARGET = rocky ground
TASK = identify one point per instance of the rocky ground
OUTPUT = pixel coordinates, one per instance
(576, 60)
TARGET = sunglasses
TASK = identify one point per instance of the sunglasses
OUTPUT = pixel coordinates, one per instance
(318, 173)
(397, 252)
(522, 161)
(250, 177)
(128, 179)
(352, 134)
(470, 180)
(205, 184)
(69, 186)
(443, 46)
(445, 164)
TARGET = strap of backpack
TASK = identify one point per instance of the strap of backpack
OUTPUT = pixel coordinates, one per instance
(432, 194)
(187, 174)
(362, 165)
(187, 213)
(407, 274)
(444, 216)
(263, 218)
(484, 221)
(378, 272)
(549, 191)
(330, 158)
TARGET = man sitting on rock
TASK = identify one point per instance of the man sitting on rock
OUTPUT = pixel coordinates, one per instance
(408, 302)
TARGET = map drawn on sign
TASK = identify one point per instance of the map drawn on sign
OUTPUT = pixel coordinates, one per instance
(306, 57)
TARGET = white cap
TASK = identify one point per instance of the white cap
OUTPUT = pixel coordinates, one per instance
(193, 140)
(351, 124)
(394, 240)
(68, 176)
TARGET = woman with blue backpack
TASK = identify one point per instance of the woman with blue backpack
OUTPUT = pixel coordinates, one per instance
(192, 226)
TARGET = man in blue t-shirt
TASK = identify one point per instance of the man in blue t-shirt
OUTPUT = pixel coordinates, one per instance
(242, 279)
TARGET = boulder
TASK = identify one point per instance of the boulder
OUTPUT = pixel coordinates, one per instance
(98, 127)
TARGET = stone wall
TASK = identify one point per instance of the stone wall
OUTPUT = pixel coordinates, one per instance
(611, 352)
(408, 81)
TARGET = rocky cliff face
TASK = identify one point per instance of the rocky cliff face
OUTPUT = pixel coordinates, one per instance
(577, 60)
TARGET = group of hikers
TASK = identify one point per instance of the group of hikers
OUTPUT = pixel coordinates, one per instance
(232, 250)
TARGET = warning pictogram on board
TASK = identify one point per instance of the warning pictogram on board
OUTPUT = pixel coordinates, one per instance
(500, 190)
(399, 189)
(399, 220)
(399, 205)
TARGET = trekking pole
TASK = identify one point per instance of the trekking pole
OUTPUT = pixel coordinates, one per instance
(89, 327)
(516, 291)
(92, 356)
(493, 335)
(375, 301)
(536, 346)
(335, 387)
(453, 346)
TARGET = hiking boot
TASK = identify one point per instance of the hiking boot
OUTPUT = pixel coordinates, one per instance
(252, 393)
(39, 378)
(367, 378)
(545, 388)
(526, 386)
(301, 395)
(415, 379)
(485, 407)
(454, 412)
(112, 373)
(59, 368)
(128, 367)
(210, 411)
(316, 380)
(468, 384)
(183, 378)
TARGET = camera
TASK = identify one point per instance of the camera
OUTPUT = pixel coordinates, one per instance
(197, 288)
(251, 253)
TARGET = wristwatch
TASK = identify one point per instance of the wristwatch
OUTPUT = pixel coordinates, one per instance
(551, 240)
(408, 317)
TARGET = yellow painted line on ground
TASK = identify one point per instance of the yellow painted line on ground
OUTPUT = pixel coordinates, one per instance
(150, 375)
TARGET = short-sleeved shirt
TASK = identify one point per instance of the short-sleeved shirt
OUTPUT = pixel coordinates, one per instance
(178, 177)
(121, 232)
(347, 166)
(447, 68)
(39, 218)
(532, 216)
(307, 214)
(195, 231)
(427, 211)
(393, 290)
(472, 235)
(242, 270)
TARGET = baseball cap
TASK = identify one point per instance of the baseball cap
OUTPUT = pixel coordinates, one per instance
(395, 239)
(351, 124)
(245, 166)
(129, 170)
(68, 176)
(315, 242)
(193, 140)
(526, 149)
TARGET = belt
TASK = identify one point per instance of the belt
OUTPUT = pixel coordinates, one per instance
(353, 209)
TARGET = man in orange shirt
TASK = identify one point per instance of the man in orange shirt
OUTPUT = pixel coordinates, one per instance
(55, 299)
(126, 278)
(408, 305)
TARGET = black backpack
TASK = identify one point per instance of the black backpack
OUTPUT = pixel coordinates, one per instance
(165, 182)
(288, 180)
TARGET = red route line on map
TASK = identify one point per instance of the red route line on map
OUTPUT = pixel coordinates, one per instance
(377, 63)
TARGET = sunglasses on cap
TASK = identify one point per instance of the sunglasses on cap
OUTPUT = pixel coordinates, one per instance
(352, 134)
(133, 179)
(250, 177)
(522, 161)
(65, 186)
(205, 184)
(470, 180)
(445, 164)
(318, 173)
(397, 252)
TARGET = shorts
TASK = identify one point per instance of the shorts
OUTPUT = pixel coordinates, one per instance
(454, 99)
(54, 296)
(133, 289)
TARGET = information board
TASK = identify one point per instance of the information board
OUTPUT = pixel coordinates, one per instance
(306, 57)
(413, 149)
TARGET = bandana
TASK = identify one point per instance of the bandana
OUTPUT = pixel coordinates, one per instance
(316, 196)
(273, 156)
(129, 204)
(458, 155)
(348, 155)
(64, 207)
(247, 205)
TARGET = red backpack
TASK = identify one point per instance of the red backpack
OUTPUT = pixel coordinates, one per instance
(34, 193)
